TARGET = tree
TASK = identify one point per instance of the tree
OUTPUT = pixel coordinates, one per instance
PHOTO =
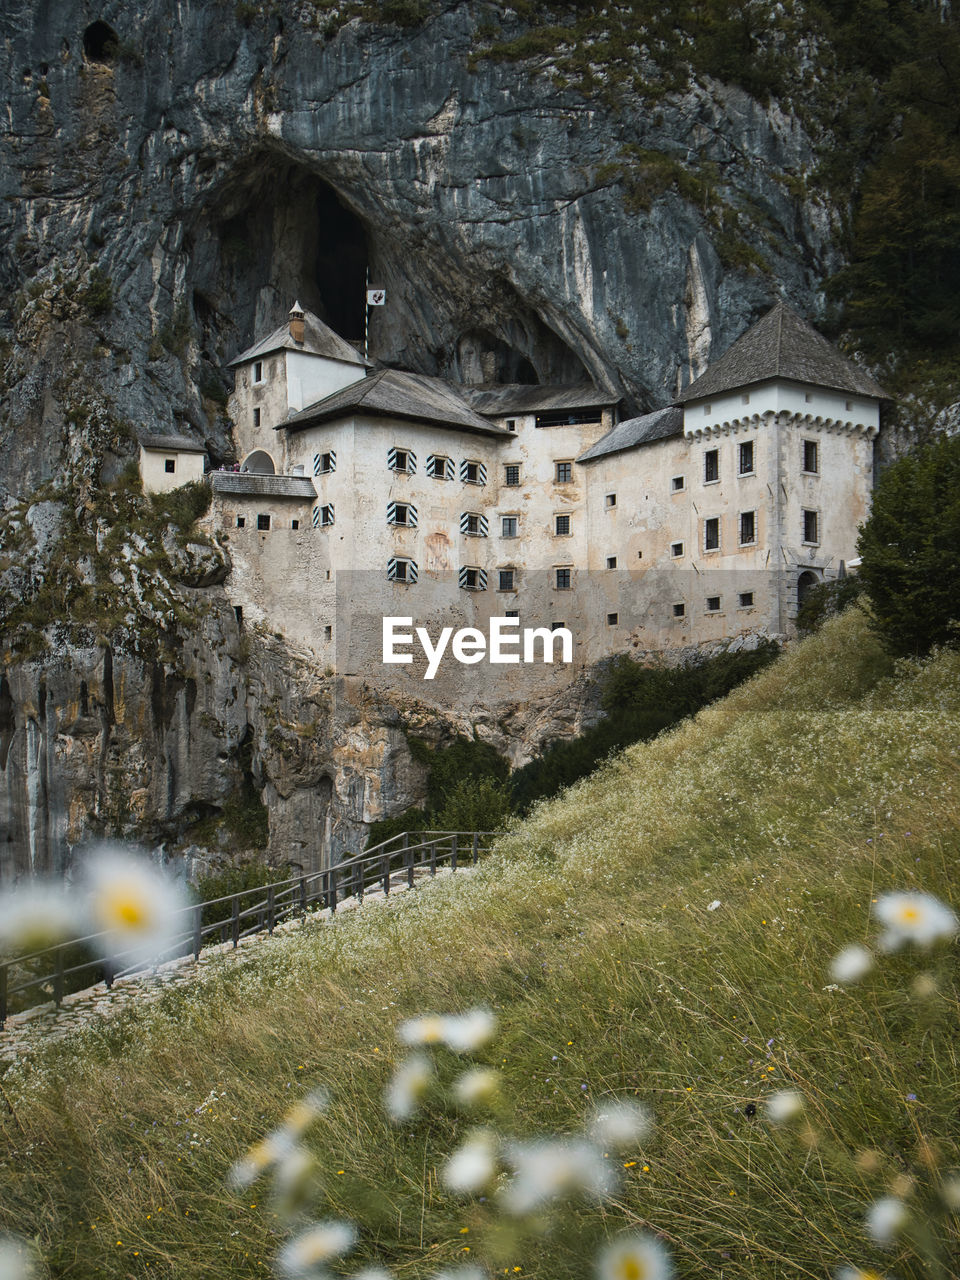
(910, 548)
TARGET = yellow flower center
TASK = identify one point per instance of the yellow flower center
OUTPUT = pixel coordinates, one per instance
(909, 914)
(123, 907)
(632, 1268)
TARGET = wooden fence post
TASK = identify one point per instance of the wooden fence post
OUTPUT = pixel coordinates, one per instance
(197, 930)
(476, 848)
(453, 852)
(235, 920)
(58, 979)
(408, 858)
(271, 899)
(386, 875)
(3, 995)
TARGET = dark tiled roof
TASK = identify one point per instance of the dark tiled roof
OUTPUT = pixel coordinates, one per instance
(782, 345)
(659, 425)
(255, 485)
(517, 397)
(318, 340)
(396, 394)
(172, 444)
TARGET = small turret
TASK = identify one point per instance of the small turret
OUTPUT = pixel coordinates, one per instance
(296, 323)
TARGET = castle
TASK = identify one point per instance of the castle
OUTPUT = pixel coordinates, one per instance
(698, 522)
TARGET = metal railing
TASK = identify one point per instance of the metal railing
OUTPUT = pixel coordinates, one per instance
(398, 861)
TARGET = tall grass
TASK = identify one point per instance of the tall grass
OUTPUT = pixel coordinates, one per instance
(594, 934)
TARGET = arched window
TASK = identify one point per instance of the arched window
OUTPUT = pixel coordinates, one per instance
(260, 463)
(805, 584)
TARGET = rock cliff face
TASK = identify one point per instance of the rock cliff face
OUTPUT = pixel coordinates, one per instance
(171, 179)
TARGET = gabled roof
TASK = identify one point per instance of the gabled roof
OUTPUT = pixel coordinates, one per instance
(255, 484)
(318, 340)
(172, 444)
(393, 393)
(659, 425)
(782, 345)
(520, 397)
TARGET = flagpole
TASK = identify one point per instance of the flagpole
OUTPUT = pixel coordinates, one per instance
(366, 318)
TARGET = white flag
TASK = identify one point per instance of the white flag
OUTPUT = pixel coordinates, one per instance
(376, 297)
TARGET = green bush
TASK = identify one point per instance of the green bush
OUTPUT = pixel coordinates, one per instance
(826, 600)
(475, 804)
(97, 297)
(910, 548)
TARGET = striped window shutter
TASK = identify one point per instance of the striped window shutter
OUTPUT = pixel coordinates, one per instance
(316, 517)
(411, 459)
(411, 572)
(483, 473)
(447, 465)
(449, 468)
(480, 581)
(328, 514)
(411, 514)
(411, 463)
(482, 529)
(318, 462)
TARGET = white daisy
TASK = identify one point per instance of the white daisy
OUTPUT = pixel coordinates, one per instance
(851, 964)
(551, 1169)
(621, 1124)
(410, 1083)
(473, 1165)
(785, 1105)
(262, 1156)
(139, 910)
(17, 1259)
(634, 1258)
(37, 916)
(307, 1253)
(914, 917)
(885, 1219)
(478, 1087)
(467, 1032)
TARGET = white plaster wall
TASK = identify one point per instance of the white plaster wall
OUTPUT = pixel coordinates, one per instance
(156, 479)
(781, 396)
(312, 378)
(269, 396)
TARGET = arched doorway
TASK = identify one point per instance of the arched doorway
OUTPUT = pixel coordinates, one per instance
(805, 584)
(259, 463)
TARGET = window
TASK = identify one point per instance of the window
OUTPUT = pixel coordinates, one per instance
(473, 524)
(707, 409)
(746, 599)
(326, 515)
(294, 524)
(677, 484)
(557, 626)
(324, 463)
(400, 570)
(613, 619)
(711, 466)
(811, 522)
(241, 522)
(748, 528)
(610, 500)
(745, 458)
(402, 513)
(511, 424)
(676, 550)
(509, 526)
(564, 473)
(439, 468)
(328, 633)
(263, 522)
(563, 579)
(745, 398)
(256, 417)
(258, 371)
(506, 580)
(561, 526)
(611, 562)
(473, 579)
(473, 472)
(402, 460)
(511, 613)
(811, 461)
(848, 405)
(679, 610)
(711, 534)
(169, 466)
(807, 397)
(713, 604)
(511, 473)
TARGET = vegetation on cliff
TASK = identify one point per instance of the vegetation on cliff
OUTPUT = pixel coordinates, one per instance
(664, 931)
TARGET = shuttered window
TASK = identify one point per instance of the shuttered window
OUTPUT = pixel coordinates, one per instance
(440, 468)
(473, 524)
(473, 579)
(404, 460)
(473, 472)
(323, 463)
(400, 570)
(404, 513)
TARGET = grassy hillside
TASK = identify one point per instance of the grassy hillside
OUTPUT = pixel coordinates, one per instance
(793, 803)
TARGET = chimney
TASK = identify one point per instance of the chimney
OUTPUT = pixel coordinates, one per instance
(296, 323)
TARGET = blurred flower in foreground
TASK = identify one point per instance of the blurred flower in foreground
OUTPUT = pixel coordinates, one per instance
(851, 964)
(17, 1259)
(634, 1258)
(461, 1273)
(621, 1124)
(914, 917)
(785, 1105)
(372, 1273)
(410, 1083)
(279, 1146)
(463, 1033)
(307, 1253)
(473, 1165)
(856, 1273)
(478, 1087)
(294, 1182)
(37, 916)
(133, 904)
(885, 1219)
(554, 1168)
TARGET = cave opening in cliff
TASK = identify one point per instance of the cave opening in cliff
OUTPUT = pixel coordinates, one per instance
(100, 42)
